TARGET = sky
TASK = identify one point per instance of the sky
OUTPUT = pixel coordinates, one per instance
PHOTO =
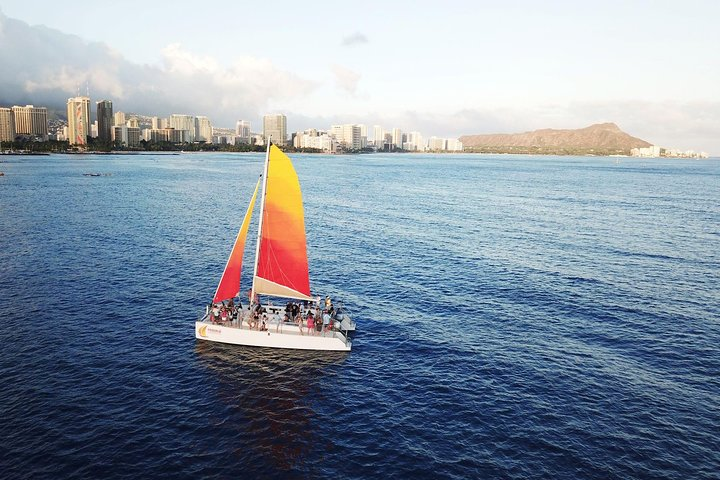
(442, 68)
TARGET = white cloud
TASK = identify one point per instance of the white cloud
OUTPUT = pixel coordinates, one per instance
(49, 66)
(345, 78)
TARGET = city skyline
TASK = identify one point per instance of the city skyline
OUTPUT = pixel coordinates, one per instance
(453, 69)
(128, 129)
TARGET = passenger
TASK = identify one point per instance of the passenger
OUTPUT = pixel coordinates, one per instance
(298, 321)
(326, 322)
(263, 325)
(318, 324)
(223, 315)
(216, 313)
(310, 324)
(328, 302)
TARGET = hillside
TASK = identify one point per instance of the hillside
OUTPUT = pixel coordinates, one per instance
(598, 139)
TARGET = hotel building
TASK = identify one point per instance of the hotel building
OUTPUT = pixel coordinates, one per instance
(32, 121)
(275, 127)
(78, 113)
(7, 125)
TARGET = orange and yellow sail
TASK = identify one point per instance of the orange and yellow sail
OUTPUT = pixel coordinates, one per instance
(282, 264)
(229, 285)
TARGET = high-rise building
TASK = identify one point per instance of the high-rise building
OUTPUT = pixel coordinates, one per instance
(32, 121)
(454, 145)
(378, 137)
(120, 134)
(314, 139)
(119, 119)
(184, 122)
(348, 136)
(105, 120)
(437, 144)
(78, 112)
(397, 138)
(242, 129)
(414, 142)
(203, 129)
(7, 125)
(275, 128)
(155, 123)
(133, 136)
(363, 135)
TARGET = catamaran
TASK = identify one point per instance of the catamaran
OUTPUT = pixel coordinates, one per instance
(280, 271)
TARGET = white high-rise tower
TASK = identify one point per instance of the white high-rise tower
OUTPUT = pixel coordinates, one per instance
(78, 112)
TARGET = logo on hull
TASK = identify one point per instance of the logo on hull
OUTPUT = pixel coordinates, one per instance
(205, 329)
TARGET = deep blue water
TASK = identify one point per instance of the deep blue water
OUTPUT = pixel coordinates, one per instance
(519, 317)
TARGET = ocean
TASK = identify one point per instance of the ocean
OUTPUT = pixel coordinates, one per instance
(518, 317)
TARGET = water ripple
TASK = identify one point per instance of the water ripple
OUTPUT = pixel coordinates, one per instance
(519, 317)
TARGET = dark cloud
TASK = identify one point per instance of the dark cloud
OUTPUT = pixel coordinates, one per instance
(354, 39)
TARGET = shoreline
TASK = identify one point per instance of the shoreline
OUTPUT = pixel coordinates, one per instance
(7, 153)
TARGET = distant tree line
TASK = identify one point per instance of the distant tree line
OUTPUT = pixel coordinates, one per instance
(97, 145)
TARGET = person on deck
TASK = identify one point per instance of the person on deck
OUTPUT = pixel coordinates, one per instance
(318, 324)
(253, 320)
(326, 321)
(299, 322)
(310, 323)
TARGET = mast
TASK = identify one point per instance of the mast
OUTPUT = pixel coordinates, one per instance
(260, 222)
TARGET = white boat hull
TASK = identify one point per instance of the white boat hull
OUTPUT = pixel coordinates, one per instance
(288, 336)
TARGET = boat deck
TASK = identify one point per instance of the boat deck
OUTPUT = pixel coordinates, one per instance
(285, 328)
(283, 335)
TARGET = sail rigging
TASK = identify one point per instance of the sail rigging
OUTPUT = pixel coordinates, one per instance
(229, 285)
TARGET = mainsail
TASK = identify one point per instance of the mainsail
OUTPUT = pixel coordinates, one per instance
(229, 285)
(282, 264)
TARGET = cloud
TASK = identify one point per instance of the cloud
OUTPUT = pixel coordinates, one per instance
(345, 78)
(49, 66)
(356, 38)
